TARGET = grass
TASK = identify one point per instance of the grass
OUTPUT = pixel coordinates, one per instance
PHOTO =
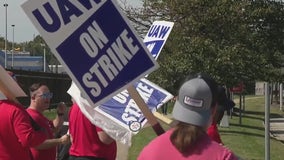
(246, 139)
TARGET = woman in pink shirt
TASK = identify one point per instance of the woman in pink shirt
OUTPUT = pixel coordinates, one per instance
(193, 110)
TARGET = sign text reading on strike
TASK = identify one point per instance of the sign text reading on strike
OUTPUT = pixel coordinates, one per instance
(108, 65)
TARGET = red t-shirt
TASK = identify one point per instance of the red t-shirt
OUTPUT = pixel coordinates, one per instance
(85, 138)
(16, 132)
(213, 133)
(47, 125)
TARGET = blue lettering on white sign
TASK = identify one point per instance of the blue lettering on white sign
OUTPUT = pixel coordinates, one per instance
(154, 46)
(158, 31)
(50, 20)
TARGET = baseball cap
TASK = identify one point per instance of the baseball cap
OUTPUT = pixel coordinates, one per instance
(196, 96)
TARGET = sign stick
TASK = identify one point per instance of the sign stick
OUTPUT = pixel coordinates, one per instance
(145, 110)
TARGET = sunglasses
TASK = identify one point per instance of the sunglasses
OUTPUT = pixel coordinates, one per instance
(47, 95)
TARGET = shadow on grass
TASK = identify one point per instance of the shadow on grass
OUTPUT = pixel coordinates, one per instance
(239, 132)
(247, 126)
(248, 116)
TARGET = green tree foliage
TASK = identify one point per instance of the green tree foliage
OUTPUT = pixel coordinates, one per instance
(232, 41)
(36, 48)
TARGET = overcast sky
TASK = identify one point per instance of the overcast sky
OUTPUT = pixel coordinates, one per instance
(24, 29)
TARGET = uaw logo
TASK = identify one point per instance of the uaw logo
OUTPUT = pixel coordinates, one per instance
(154, 47)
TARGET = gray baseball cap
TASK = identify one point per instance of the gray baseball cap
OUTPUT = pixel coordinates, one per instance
(193, 104)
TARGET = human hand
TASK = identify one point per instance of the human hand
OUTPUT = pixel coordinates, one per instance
(61, 108)
(65, 139)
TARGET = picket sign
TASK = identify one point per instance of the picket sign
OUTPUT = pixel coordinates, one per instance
(101, 59)
(146, 112)
(110, 58)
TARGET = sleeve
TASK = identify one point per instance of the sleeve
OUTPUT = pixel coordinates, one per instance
(213, 133)
(140, 157)
(98, 129)
(27, 136)
(231, 156)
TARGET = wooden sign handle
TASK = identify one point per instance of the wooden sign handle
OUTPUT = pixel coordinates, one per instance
(145, 110)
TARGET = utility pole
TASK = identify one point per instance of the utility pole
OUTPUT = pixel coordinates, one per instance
(6, 6)
(13, 48)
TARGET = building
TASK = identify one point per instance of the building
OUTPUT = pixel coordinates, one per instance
(22, 61)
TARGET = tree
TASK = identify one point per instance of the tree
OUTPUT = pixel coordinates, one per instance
(233, 41)
(35, 47)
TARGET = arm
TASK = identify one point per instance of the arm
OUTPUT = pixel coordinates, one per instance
(104, 137)
(58, 121)
(27, 136)
(53, 142)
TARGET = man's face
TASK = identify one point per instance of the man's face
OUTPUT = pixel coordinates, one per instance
(42, 98)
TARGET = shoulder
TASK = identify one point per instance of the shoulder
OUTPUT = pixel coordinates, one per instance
(11, 108)
(217, 150)
(161, 141)
(33, 113)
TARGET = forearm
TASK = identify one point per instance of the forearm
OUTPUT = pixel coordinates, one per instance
(58, 123)
(54, 142)
(105, 138)
(49, 143)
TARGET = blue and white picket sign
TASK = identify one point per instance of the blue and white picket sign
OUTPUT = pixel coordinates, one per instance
(157, 36)
(95, 43)
(120, 117)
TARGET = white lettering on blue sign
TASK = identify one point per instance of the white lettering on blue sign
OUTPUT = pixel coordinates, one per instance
(108, 65)
(132, 111)
(90, 45)
(158, 31)
(145, 91)
(122, 97)
(51, 21)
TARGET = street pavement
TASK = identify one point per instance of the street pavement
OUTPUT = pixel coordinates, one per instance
(277, 128)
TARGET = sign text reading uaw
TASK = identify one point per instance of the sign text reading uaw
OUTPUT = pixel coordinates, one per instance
(94, 42)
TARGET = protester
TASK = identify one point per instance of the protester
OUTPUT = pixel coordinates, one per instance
(188, 140)
(213, 132)
(17, 134)
(223, 104)
(40, 101)
(88, 142)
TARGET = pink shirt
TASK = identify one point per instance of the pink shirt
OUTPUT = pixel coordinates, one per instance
(162, 148)
(85, 138)
(16, 132)
(47, 125)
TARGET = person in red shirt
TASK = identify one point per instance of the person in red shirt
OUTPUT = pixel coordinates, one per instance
(89, 142)
(213, 133)
(17, 133)
(40, 101)
(223, 104)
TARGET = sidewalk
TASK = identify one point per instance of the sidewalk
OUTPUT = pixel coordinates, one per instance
(277, 128)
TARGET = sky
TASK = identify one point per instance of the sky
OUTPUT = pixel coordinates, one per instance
(23, 29)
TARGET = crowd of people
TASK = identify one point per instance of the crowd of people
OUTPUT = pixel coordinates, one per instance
(27, 134)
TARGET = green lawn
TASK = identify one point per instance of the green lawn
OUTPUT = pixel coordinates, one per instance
(245, 139)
